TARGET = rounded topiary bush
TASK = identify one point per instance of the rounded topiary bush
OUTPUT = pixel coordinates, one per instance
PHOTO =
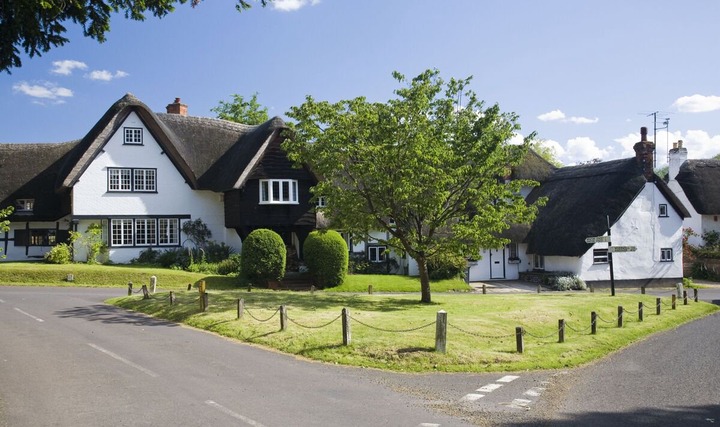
(326, 256)
(263, 256)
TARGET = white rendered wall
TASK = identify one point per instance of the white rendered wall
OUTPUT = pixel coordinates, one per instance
(17, 253)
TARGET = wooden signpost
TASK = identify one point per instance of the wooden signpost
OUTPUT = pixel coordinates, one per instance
(611, 249)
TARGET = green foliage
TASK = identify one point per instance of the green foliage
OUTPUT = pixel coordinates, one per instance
(4, 222)
(169, 258)
(360, 264)
(197, 232)
(92, 241)
(38, 26)
(230, 265)
(326, 255)
(546, 151)
(565, 281)
(147, 256)
(263, 256)
(217, 252)
(59, 254)
(416, 167)
(241, 111)
(447, 266)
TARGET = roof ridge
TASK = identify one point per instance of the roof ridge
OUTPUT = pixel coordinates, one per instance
(215, 121)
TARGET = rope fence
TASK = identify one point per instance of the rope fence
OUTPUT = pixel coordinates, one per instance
(441, 324)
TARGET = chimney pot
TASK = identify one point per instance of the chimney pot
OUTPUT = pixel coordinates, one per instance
(675, 145)
(643, 133)
(679, 143)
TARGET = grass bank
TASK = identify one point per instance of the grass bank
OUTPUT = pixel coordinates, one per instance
(398, 333)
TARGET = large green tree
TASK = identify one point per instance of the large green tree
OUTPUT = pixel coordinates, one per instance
(36, 26)
(421, 167)
(241, 111)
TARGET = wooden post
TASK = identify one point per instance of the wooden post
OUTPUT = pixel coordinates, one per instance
(240, 307)
(129, 288)
(538, 290)
(519, 339)
(189, 286)
(695, 291)
(153, 283)
(204, 298)
(312, 289)
(593, 323)
(620, 316)
(658, 305)
(172, 298)
(201, 287)
(145, 292)
(642, 290)
(685, 301)
(674, 301)
(640, 311)
(370, 289)
(346, 326)
(592, 290)
(283, 318)
(561, 330)
(202, 303)
(484, 289)
(441, 331)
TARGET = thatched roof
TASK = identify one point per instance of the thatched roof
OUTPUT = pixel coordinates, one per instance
(533, 167)
(580, 199)
(700, 180)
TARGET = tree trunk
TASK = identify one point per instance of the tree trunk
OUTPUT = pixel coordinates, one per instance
(424, 280)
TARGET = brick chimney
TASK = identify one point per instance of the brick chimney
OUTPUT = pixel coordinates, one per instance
(644, 154)
(677, 157)
(177, 108)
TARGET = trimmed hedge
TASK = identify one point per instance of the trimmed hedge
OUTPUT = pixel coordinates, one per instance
(326, 256)
(263, 256)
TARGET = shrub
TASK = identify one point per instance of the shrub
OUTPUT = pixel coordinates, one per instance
(203, 267)
(59, 254)
(326, 256)
(360, 264)
(216, 252)
(263, 256)
(446, 266)
(230, 265)
(178, 258)
(148, 256)
(565, 282)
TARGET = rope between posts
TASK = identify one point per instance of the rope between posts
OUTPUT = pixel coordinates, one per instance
(480, 335)
(579, 331)
(392, 330)
(625, 310)
(552, 334)
(603, 320)
(262, 320)
(315, 327)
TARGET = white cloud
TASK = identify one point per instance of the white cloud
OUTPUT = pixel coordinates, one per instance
(584, 149)
(105, 75)
(67, 66)
(517, 139)
(559, 116)
(697, 103)
(45, 91)
(292, 5)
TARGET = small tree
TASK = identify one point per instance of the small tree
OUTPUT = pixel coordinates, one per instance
(241, 111)
(197, 232)
(326, 255)
(4, 222)
(92, 241)
(263, 256)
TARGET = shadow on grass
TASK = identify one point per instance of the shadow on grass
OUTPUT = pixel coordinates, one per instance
(409, 350)
(112, 315)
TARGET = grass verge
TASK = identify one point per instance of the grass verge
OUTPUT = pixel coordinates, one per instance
(397, 333)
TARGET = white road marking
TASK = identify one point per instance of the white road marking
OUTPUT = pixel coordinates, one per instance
(472, 396)
(489, 388)
(123, 360)
(535, 391)
(233, 414)
(520, 403)
(2, 301)
(428, 425)
(507, 379)
(29, 315)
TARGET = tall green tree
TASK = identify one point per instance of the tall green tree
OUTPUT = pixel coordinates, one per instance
(546, 151)
(420, 167)
(4, 222)
(241, 111)
(36, 26)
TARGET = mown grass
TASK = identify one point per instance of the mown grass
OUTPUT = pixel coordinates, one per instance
(395, 283)
(398, 333)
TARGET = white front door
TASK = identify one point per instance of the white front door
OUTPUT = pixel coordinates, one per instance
(497, 263)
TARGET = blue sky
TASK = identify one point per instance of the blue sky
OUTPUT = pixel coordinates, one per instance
(585, 75)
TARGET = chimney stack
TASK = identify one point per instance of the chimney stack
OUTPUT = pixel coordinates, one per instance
(644, 152)
(676, 157)
(177, 108)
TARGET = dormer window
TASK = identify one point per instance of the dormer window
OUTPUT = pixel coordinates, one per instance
(133, 136)
(24, 205)
(278, 191)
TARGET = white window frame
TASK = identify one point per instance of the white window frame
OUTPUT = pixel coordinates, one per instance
(600, 256)
(24, 205)
(278, 192)
(538, 262)
(663, 210)
(132, 180)
(666, 255)
(321, 202)
(377, 253)
(145, 232)
(121, 232)
(132, 136)
(168, 232)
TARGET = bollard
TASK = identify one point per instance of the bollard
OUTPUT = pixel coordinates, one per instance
(592, 290)
(172, 297)
(695, 291)
(519, 339)
(674, 301)
(658, 305)
(206, 303)
(145, 292)
(620, 316)
(201, 287)
(640, 311)
(153, 283)
(538, 290)
(685, 301)
(593, 323)
(679, 287)
(370, 289)
(312, 289)
(189, 286)
(642, 290)
(240, 307)
(202, 303)
(129, 288)
(484, 289)
(561, 330)
(283, 318)
(441, 331)
(346, 326)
